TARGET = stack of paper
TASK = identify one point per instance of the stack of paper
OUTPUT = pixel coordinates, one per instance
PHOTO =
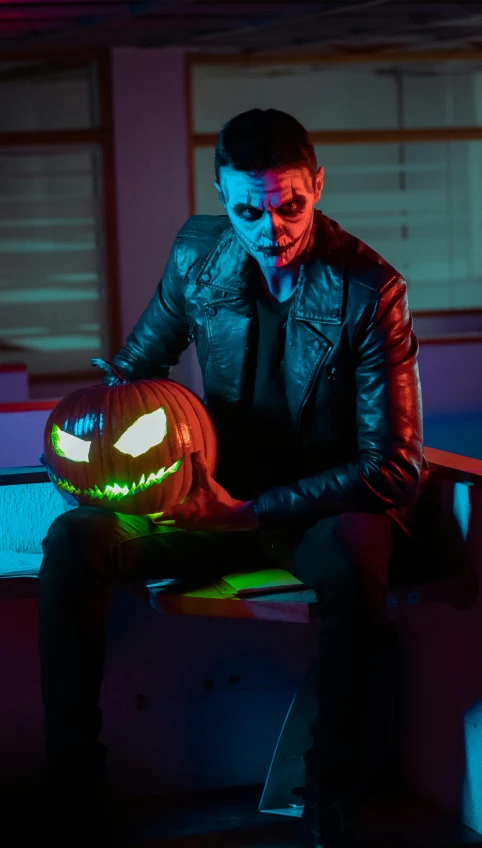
(17, 564)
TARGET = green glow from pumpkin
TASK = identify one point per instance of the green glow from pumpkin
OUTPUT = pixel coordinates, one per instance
(70, 446)
(117, 490)
(149, 430)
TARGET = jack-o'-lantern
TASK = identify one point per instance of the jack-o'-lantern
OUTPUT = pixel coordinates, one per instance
(127, 446)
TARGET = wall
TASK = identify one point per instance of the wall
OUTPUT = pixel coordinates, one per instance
(22, 427)
(151, 181)
(451, 378)
(151, 160)
(13, 383)
(152, 177)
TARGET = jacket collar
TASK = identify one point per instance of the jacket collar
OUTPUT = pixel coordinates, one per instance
(320, 289)
(319, 297)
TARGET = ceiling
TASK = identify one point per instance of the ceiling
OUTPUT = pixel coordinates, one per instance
(243, 26)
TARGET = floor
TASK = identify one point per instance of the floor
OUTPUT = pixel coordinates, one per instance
(229, 818)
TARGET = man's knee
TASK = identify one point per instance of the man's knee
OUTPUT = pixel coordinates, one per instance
(348, 556)
(366, 542)
(74, 540)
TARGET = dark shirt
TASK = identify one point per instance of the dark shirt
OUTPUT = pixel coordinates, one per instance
(263, 448)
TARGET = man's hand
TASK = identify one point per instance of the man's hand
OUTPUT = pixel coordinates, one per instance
(210, 507)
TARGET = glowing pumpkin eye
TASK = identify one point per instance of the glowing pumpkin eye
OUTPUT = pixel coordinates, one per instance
(147, 431)
(70, 446)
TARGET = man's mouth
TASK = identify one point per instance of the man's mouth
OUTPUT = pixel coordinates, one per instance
(272, 250)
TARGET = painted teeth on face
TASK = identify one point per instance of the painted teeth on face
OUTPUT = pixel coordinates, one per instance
(120, 491)
(260, 246)
(264, 242)
(275, 246)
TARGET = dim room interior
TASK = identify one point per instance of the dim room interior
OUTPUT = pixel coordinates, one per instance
(109, 114)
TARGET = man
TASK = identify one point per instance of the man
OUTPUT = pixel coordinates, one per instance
(308, 357)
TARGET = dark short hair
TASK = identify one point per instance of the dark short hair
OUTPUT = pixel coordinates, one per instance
(260, 139)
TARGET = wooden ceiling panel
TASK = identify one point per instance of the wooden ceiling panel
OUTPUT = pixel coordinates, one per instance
(241, 25)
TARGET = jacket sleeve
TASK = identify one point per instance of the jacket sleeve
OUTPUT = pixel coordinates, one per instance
(388, 471)
(161, 333)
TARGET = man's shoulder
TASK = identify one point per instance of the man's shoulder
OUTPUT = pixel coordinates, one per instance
(362, 264)
(197, 238)
(204, 228)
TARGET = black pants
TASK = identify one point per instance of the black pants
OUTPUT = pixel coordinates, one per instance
(344, 558)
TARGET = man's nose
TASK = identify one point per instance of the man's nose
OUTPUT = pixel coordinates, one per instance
(274, 227)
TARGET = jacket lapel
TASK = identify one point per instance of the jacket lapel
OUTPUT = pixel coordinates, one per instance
(227, 315)
(318, 304)
(226, 268)
(228, 312)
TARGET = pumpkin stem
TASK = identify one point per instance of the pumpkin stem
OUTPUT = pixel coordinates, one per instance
(111, 370)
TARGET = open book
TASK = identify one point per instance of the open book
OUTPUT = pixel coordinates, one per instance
(257, 582)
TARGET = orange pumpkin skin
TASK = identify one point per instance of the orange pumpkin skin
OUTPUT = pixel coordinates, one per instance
(115, 480)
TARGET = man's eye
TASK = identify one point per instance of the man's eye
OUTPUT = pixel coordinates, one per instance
(290, 208)
(250, 214)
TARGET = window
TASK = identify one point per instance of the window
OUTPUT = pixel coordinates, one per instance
(401, 144)
(56, 254)
(416, 204)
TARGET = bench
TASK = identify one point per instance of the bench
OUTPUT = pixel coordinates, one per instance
(456, 583)
(452, 504)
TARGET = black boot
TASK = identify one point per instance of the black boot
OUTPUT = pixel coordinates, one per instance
(79, 810)
(323, 822)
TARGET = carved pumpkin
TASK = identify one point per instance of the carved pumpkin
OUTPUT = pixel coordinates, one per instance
(127, 446)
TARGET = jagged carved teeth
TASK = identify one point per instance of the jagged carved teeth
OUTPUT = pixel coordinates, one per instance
(116, 490)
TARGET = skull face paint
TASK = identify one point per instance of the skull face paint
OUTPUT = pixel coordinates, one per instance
(272, 211)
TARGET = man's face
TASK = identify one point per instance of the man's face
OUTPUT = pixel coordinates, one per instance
(271, 212)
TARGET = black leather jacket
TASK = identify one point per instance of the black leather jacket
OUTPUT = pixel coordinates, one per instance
(350, 364)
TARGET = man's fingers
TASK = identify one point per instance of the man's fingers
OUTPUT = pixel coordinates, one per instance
(199, 460)
(200, 468)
